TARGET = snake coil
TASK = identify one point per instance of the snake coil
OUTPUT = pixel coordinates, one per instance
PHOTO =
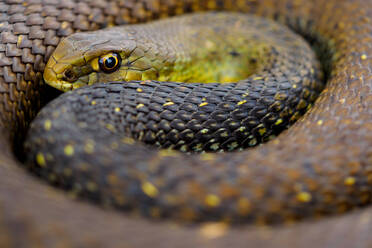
(334, 137)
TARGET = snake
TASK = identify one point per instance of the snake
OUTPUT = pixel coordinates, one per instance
(192, 117)
(333, 139)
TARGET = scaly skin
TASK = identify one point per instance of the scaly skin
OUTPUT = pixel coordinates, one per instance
(187, 116)
(334, 135)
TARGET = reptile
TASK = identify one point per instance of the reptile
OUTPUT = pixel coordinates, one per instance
(334, 136)
(278, 83)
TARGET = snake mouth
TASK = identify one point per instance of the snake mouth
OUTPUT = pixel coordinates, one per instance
(68, 80)
(65, 86)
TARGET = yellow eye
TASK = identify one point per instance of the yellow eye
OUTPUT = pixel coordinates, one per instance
(110, 62)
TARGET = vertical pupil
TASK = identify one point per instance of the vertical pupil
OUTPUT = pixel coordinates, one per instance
(110, 62)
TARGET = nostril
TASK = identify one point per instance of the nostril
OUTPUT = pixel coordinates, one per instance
(69, 75)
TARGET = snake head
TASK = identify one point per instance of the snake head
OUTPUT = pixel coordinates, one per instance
(91, 57)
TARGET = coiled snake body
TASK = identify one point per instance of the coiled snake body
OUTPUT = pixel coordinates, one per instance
(191, 117)
(331, 144)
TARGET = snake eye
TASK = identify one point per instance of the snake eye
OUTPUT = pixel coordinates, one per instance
(109, 62)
